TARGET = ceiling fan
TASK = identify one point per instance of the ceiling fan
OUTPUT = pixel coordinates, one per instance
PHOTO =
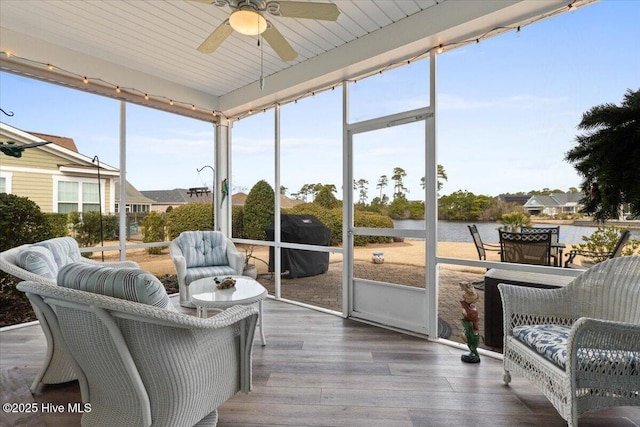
(248, 18)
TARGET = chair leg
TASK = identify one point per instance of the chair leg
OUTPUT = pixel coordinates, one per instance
(506, 377)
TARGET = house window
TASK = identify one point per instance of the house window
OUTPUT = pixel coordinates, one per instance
(5, 182)
(78, 196)
(90, 197)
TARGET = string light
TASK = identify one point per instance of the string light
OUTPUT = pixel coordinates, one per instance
(439, 49)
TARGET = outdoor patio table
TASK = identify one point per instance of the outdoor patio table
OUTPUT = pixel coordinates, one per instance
(205, 295)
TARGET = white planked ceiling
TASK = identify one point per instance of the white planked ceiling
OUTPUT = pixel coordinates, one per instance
(150, 45)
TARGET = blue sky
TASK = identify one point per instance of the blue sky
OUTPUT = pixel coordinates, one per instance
(508, 110)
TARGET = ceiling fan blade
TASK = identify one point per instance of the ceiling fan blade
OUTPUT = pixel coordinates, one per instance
(307, 10)
(279, 43)
(216, 38)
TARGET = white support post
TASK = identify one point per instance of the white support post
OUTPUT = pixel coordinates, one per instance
(347, 206)
(122, 214)
(431, 207)
(277, 250)
(222, 161)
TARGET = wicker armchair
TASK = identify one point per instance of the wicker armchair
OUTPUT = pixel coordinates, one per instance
(56, 367)
(578, 344)
(199, 254)
(145, 365)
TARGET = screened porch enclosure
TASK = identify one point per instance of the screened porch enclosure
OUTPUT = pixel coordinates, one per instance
(336, 92)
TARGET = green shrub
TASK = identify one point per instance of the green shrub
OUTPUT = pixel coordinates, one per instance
(326, 199)
(57, 224)
(371, 220)
(399, 208)
(332, 219)
(110, 227)
(514, 221)
(602, 242)
(237, 221)
(153, 231)
(259, 209)
(416, 210)
(189, 217)
(21, 221)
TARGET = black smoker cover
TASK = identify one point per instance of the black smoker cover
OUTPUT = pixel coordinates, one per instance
(301, 229)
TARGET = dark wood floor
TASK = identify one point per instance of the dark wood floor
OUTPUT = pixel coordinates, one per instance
(322, 370)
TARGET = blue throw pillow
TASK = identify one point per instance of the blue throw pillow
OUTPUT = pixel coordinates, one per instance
(38, 260)
(131, 284)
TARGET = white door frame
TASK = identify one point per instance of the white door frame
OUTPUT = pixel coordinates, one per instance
(388, 304)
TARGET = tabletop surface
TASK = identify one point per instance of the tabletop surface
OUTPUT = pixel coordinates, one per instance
(245, 290)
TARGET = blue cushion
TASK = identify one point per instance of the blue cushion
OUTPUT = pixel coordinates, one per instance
(38, 260)
(551, 342)
(203, 248)
(548, 340)
(131, 284)
(64, 249)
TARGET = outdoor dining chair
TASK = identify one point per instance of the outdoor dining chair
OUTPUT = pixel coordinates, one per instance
(616, 252)
(481, 247)
(555, 238)
(525, 248)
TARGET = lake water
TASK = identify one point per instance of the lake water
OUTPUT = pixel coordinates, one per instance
(458, 231)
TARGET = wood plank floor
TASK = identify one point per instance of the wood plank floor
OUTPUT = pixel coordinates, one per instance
(322, 370)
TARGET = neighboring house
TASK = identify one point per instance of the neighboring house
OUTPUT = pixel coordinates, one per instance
(135, 200)
(520, 199)
(162, 199)
(55, 176)
(553, 204)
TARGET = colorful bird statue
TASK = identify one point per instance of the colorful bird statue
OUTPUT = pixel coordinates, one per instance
(225, 190)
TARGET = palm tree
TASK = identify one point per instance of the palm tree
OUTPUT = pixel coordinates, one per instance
(607, 156)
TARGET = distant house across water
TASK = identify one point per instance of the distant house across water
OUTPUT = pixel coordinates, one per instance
(553, 204)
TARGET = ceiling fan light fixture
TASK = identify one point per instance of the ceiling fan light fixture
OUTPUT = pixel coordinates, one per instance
(248, 22)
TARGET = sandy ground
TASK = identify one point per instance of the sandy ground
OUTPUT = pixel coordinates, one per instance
(410, 252)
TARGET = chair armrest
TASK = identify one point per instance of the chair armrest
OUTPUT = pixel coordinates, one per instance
(235, 257)
(491, 247)
(178, 261)
(611, 347)
(522, 305)
(574, 252)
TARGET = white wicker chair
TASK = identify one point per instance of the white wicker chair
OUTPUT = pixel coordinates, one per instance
(192, 253)
(56, 367)
(149, 366)
(602, 309)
